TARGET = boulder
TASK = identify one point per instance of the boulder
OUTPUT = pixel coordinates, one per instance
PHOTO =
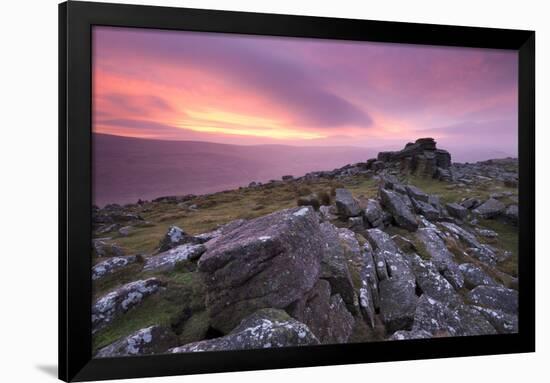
(174, 237)
(503, 322)
(426, 209)
(410, 334)
(470, 203)
(334, 266)
(325, 315)
(168, 260)
(456, 210)
(416, 193)
(438, 319)
(511, 214)
(441, 257)
(119, 301)
(398, 208)
(495, 297)
(346, 205)
(480, 251)
(432, 283)
(112, 265)
(327, 213)
(205, 237)
(397, 303)
(147, 341)
(270, 261)
(265, 328)
(369, 299)
(356, 223)
(474, 276)
(373, 213)
(101, 248)
(490, 209)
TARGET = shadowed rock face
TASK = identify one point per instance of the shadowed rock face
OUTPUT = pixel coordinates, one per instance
(269, 261)
(264, 329)
(325, 315)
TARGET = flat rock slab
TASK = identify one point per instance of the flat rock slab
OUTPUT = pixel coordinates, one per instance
(119, 301)
(270, 261)
(432, 283)
(490, 208)
(111, 265)
(168, 260)
(495, 297)
(265, 328)
(147, 341)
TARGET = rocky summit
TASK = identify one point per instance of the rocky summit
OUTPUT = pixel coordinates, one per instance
(407, 245)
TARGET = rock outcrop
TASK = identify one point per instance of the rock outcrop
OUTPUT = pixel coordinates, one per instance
(119, 301)
(147, 341)
(265, 328)
(269, 261)
(421, 158)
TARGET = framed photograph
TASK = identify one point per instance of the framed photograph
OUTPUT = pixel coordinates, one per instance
(247, 191)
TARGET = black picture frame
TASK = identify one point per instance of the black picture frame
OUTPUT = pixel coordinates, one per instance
(75, 290)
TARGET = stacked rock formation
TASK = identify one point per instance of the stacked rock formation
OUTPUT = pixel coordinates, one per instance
(421, 157)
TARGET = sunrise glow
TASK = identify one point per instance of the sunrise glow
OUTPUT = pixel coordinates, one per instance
(173, 85)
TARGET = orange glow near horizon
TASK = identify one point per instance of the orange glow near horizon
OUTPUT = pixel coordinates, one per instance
(260, 90)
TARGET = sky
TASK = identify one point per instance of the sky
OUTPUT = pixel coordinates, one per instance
(239, 89)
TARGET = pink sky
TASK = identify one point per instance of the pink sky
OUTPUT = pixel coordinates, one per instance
(240, 89)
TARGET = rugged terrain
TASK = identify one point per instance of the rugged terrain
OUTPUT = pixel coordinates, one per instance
(405, 245)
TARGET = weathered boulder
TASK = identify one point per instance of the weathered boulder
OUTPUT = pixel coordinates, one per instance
(101, 248)
(369, 300)
(346, 205)
(374, 215)
(147, 341)
(410, 334)
(119, 301)
(456, 210)
(474, 276)
(441, 257)
(495, 297)
(168, 260)
(397, 303)
(174, 237)
(325, 315)
(327, 213)
(426, 209)
(398, 208)
(416, 193)
(205, 237)
(112, 265)
(470, 203)
(334, 266)
(265, 328)
(503, 322)
(482, 252)
(511, 214)
(432, 283)
(490, 208)
(437, 318)
(270, 261)
(356, 223)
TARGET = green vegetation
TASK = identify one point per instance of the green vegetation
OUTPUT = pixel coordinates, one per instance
(184, 292)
